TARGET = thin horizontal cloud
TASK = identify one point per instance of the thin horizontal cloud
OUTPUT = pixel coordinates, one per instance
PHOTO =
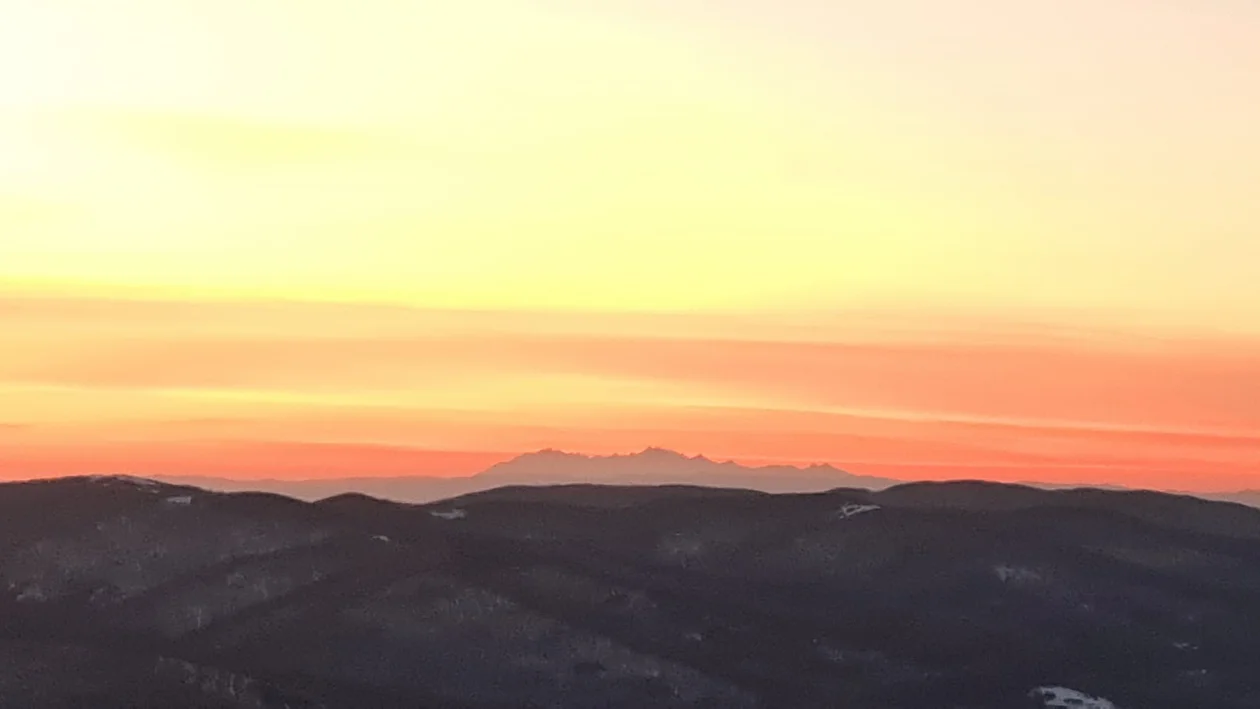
(250, 459)
(1163, 389)
(278, 318)
(11, 429)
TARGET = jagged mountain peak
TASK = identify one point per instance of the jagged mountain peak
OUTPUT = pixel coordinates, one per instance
(658, 465)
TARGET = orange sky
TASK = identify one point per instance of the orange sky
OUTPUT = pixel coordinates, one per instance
(966, 239)
(316, 390)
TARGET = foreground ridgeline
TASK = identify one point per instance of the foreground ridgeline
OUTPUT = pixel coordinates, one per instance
(125, 592)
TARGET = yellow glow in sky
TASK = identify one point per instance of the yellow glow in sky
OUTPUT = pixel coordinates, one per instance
(625, 156)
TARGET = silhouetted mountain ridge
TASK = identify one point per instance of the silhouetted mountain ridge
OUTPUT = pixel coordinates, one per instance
(663, 466)
(124, 592)
(652, 466)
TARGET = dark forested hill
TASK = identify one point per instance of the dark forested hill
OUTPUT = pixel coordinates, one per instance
(122, 592)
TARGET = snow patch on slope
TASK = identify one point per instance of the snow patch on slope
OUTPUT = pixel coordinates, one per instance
(853, 510)
(1015, 574)
(126, 479)
(1064, 698)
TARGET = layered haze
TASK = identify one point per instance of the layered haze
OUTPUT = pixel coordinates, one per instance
(1014, 241)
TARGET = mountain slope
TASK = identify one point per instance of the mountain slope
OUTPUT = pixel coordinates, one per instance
(127, 593)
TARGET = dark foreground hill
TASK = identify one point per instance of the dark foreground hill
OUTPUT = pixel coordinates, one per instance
(118, 592)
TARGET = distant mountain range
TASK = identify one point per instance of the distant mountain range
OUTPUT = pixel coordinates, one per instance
(660, 466)
(652, 466)
(122, 592)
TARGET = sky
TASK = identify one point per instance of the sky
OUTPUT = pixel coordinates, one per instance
(983, 238)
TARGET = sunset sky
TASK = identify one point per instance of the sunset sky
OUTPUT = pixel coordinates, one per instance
(1016, 240)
